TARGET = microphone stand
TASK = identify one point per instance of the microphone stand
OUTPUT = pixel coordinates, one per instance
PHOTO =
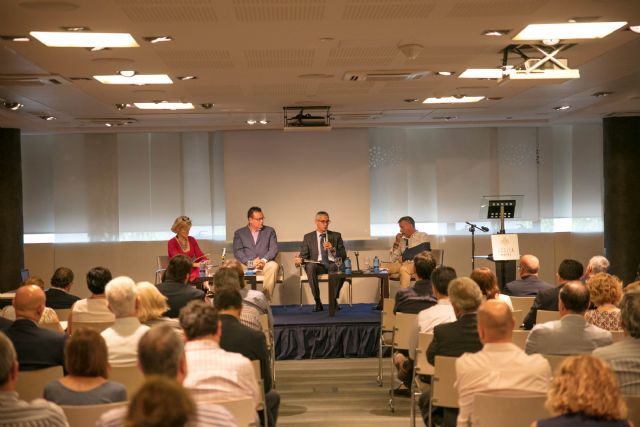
(472, 230)
(356, 253)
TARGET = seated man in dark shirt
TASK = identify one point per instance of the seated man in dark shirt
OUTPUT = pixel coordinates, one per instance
(529, 283)
(418, 297)
(176, 285)
(58, 296)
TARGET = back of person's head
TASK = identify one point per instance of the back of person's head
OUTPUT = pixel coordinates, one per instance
(33, 280)
(237, 266)
(487, 282)
(632, 287)
(178, 269)
(29, 302)
(604, 289)
(630, 313)
(160, 350)
(598, 264)
(62, 277)
(8, 358)
(160, 402)
(198, 320)
(465, 295)
(86, 355)
(424, 264)
(529, 264)
(585, 384)
(152, 304)
(228, 299)
(495, 320)
(441, 277)
(570, 269)
(97, 279)
(121, 296)
(575, 297)
(226, 277)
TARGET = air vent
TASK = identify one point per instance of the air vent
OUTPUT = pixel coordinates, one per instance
(383, 76)
(356, 116)
(32, 80)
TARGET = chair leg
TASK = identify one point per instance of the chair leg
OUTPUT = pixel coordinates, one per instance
(300, 294)
(391, 376)
(350, 293)
(380, 342)
(414, 393)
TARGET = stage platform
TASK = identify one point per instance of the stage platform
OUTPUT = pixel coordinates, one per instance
(302, 334)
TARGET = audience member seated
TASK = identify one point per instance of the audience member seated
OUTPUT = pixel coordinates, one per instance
(5, 323)
(624, 356)
(58, 296)
(152, 305)
(176, 287)
(597, 264)
(86, 362)
(228, 278)
(250, 297)
(37, 348)
(94, 308)
(161, 353)
(500, 366)
(529, 283)
(455, 338)
(418, 297)
(212, 373)
(584, 393)
(123, 336)
(160, 402)
(488, 283)
(571, 334)
(18, 413)
(49, 315)
(605, 291)
(568, 270)
(238, 338)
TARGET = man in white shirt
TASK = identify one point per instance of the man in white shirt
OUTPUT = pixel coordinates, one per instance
(500, 366)
(123, 336)
(212, 373)
(407, 239)
(571, 334)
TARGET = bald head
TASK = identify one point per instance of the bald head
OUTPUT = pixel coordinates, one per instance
(529, 265)
(29, 302)
(495, 322)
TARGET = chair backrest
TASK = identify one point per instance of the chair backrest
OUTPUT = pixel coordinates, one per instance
(543, 316)
(507, 410)
(242, 409)
(633, 403)
(63, 314)
(30, 384)
(87, 415)
(522, 303)
(266, 329)
(53, 326)
(555, 360)
(162, 262)
(405, 323)
(129, 376)
(519, 337)
(518, 316)
(97, 326)
(617, 335)
(438, 256)
(421, 365)
(388, 319)
(443, 393)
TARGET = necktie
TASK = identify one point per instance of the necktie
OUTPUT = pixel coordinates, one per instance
(323, 251)
(406, 243)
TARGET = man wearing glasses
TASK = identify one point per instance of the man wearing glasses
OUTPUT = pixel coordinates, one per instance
(320, 248)
(257, 243)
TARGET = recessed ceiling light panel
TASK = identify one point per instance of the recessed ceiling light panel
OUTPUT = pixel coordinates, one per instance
(84, 39)
(495, 33)
(138, 79)
(251, 122)
(158, 39)
(562, 107)
(569, 30)
(164, 105)
(187, 77)
(453, 100)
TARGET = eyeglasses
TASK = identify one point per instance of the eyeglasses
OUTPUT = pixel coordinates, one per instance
(324, 221)
(258, 219)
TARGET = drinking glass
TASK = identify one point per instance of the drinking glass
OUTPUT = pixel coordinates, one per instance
(338, 262)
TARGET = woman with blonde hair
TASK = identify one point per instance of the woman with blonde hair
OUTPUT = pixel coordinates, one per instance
(584, 392)
(152, 305)
(184, 244)
(488, 283)
(605, 292)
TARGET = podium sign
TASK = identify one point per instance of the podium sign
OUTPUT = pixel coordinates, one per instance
(505, 247)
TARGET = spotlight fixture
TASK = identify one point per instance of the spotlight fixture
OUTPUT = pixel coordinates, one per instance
(447, 118)
(127, 73)
(251, 122)
(411, 100)
(634, 28)
(207, 105)
(550, 42)
(121, 106)
(15, 38)
(76, 29)
(495, 33)
(445, 73)
(13, 106)
(562, 107)
(601, 94)
(47, 118)
(97, 48)
(264, 122)
(158, 39)
(108, 125)
(187, 77)
(411, 50)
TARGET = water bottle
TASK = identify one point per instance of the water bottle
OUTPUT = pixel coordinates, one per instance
(203, 269)
(347, 266)
(249, 268)
(376, 265)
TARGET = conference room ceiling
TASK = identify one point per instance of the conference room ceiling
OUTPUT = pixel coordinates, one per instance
(253, 57)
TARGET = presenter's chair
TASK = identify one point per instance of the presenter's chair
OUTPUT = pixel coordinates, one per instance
(387, 322)
(322, 278)
(88, 415)
(421, 368)
(30, 384)
(259, 277)
(507, 410)
(404, 325)
(544, 316)
(438, 256)
(162, 262)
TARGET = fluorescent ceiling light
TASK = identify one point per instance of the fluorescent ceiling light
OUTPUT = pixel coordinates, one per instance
(138, 79)
(453, 99)
(570, 30)
(251, 122)
(84, 39)
(481, 73)
(543, 74)
(164, 105)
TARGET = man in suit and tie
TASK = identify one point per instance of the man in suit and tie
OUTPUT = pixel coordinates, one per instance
(529, 283)
(258, 243)
(58, 296)
(321, 247)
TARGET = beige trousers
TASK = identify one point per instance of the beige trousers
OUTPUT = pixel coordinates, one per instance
(269, 274)
(405, 269)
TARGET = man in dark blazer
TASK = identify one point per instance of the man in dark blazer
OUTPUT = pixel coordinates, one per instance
(568, 271)
(37, 348)
(418, 297)
(320, 248)
(58, 296)
(176, 285)
(529, 283)
(5, 323)
(238, 338)
(258, 243)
